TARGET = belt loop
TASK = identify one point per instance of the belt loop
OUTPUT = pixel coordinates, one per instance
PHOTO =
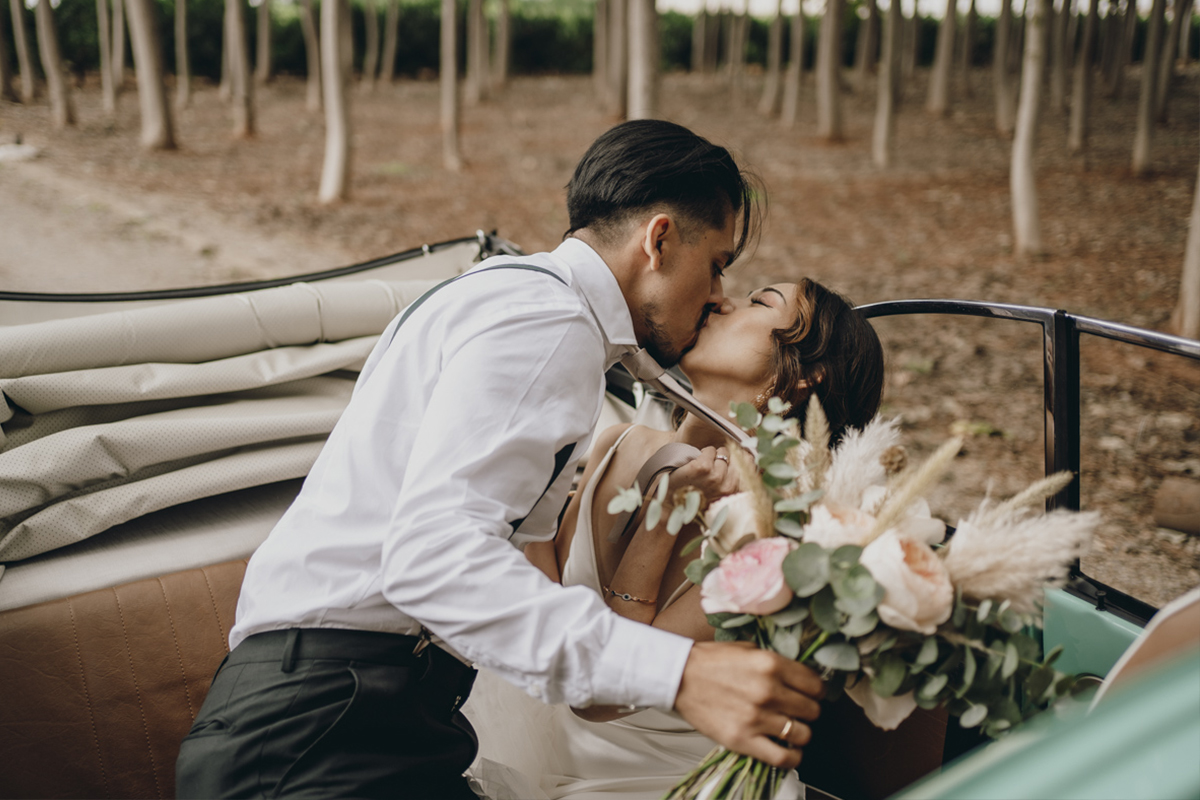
(289, 650)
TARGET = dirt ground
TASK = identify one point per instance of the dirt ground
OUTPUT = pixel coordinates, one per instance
(95, 213)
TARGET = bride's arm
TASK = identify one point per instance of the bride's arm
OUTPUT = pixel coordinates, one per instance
(549, 556)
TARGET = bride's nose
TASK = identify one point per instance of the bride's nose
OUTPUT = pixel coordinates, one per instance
(724, 307)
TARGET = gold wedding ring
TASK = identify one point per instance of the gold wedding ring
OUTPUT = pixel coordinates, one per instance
(787, 728)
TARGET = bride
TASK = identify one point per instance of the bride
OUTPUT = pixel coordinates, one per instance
(785, 340)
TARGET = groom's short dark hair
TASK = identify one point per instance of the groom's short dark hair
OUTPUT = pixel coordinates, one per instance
(644, 164)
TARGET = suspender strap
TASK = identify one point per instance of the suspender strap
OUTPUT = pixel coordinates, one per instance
(562, 456)
(670, 457)
(414, 305)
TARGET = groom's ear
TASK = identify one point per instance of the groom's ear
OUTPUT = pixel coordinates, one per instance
(654, 235)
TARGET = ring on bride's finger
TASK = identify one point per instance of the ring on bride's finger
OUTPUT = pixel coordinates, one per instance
(723, 458)
(787, 728)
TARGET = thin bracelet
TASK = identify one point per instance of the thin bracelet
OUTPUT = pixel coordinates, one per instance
(628, 598)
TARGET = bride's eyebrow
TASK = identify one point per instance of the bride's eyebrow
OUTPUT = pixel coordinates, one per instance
(766, 289)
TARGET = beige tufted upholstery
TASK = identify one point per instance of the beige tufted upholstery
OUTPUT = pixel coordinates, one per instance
(98, 690)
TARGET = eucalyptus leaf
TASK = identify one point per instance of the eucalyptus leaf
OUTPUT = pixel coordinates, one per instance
(786, 642)
(789, 527)
(960, 614)
(973, 716)
(968, 676)
(985, 608)
(747, 416)
(692, 545)
(1053, 655)
(719, 521)
(783, 471)
(625, 500)
(676, 521)
(806, 569)
(857, 591)
(1011, 661)
(789, 616)
(860, 625)
(1038, 682)
(698, 568)
(824, 612)
(654, 511)
(722, 635)
(890, 671)
(929, 651)
(838, 655)
(1027, 646)
(691, 506)
(663, 485)
(801, 503)
(1010, 620)
(994, 662)
(738, 621)
(772, 423)
(846, 557)
(933, 686)
(776, 405)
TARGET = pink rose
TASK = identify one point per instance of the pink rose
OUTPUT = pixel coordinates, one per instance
(749, 580)
(919, 595)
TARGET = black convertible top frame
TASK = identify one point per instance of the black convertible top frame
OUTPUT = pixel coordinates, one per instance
(1060, 365)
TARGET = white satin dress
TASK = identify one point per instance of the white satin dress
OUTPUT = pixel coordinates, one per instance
(532, 751)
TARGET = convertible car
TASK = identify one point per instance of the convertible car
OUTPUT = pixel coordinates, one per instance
(149, 442)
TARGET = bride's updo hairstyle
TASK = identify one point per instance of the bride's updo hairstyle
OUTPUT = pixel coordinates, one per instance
(832, 349)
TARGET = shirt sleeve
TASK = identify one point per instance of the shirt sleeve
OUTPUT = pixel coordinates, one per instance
(508, 398)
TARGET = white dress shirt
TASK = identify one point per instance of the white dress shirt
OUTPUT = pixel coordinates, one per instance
(450, 435)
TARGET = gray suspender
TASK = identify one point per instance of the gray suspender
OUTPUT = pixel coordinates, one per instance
(562, 456)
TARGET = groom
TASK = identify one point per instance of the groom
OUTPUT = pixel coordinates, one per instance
(396, 569)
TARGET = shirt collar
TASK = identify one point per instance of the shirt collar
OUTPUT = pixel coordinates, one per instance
(603, 294)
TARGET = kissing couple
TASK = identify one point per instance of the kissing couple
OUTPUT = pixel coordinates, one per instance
(425, 543)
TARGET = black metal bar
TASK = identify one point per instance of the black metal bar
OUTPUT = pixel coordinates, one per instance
(1061, 352)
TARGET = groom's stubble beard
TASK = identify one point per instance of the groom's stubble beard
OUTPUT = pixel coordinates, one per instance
(658, 343)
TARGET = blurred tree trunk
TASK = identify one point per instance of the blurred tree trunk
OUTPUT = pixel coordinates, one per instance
(712, 36)
(158, 131)
(1185, 35)
(938, 102)
(600, 45)
(61, 109)
(967, 49)
(476, 88)
(643, 59)
(829, 73)
(911, 45)
(370, 66)
(1081, 94)
(1145, 115)
(769, 104)
(503, 53)
(1058, 58)
(699, 39)
(224, 90)
(883, 140)
(1116, 87)
(6, 76)
(867, 45)
(1185, 321)
(1108, 45)
(241, 88)
(1166, 63)
(335, 172)
(1000, 77)
(108, 97)
(739, 37)
(262, 48)
(1016, 43)
(183, 70)
(795, 70)
(21, 39)
(312, 56)
(618, 58)
(118, 46)
(1026, 220)
(391, 36)
(448, 79)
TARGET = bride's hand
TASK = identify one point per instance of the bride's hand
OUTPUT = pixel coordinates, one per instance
(709, 472)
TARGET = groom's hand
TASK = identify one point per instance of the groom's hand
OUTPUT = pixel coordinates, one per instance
(743, 698)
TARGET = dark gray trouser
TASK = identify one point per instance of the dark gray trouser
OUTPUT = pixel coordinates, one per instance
(331, 713)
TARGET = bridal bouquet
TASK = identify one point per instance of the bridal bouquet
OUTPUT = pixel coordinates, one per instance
(831, 557)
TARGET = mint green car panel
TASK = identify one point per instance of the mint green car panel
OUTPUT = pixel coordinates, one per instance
(1142, 741)
(1092, 640)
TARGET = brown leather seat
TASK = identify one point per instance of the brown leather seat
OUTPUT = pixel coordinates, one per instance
(98, 690)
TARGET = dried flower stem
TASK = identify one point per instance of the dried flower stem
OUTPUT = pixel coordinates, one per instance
(1037, 492)
(816, 433)
(915, 485)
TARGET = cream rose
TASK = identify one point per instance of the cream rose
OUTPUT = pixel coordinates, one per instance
(919, 595)
(749, 581)
(740, 524)
(832, 526)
